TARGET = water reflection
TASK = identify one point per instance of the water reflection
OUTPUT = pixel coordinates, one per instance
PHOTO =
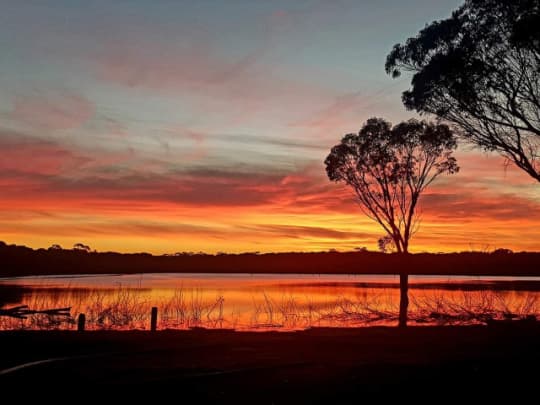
(262, 302)
(10, 294)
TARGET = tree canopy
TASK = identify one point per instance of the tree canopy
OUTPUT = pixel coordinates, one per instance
(479, 70)
(389, 167)
(81, 247)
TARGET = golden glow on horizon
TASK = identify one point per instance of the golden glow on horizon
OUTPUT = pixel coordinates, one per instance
(265, 233)
(478, 209)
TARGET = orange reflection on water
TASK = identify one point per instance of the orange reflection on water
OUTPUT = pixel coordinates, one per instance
(263, 302)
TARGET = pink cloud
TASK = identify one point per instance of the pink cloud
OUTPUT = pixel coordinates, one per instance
(169, 68)
(24, 155)
(234, 89)
(483, 166)
(334, 120)
(32, 165)
(53, 111)
(198, 143)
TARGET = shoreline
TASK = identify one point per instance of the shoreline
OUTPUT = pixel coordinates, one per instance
(22, 261)
(469, 283)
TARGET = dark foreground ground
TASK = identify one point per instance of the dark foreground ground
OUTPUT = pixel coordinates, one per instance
(426, 364)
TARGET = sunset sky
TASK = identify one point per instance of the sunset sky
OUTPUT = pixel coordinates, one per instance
(166, 126)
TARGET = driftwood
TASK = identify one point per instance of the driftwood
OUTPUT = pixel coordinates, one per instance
(22, 312)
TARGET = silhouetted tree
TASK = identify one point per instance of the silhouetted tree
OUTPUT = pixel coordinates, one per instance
(502, 251)
(480, 70)
(55, 247)
(388, 169)
(82, 247)
(385, 244)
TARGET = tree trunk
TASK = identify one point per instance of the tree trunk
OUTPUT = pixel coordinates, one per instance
(402, 249)
(403, 299)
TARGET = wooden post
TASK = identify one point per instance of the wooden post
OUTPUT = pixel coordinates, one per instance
(153, 319)
(403, 299)
(80, 323)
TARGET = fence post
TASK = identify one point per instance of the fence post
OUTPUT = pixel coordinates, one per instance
(153, 319)
(80, 322)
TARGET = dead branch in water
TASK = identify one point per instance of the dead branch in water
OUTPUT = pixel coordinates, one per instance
(22, 312)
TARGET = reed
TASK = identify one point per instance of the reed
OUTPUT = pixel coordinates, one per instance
(123, 308)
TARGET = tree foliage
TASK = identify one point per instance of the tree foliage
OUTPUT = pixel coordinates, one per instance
(479, 70)
(388, 168)
(386, 244)
(81, 247)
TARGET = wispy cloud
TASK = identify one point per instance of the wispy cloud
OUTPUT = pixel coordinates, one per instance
(302, 232)
(52, 110)
(22, 154)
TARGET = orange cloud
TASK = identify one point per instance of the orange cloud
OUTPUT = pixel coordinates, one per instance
(52, 194)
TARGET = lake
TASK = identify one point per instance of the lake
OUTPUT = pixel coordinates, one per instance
(265, 301)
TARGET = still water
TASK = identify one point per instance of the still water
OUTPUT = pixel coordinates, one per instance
(264, 301)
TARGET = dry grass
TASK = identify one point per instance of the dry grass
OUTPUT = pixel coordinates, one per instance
(129, 308)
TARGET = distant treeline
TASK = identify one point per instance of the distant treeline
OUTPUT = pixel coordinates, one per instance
(21, 260)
